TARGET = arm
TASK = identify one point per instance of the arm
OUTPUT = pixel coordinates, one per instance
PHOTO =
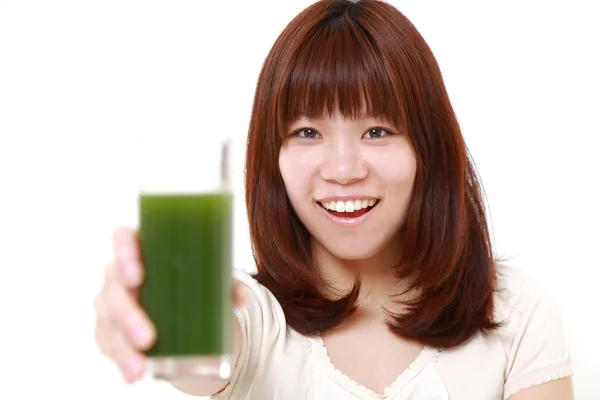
(561, 389)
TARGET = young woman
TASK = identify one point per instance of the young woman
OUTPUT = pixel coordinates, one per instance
(376, 277)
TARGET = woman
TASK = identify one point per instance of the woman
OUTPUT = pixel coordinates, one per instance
(376, 277)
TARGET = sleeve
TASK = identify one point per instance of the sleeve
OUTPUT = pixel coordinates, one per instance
(537, 348)
(262, 323)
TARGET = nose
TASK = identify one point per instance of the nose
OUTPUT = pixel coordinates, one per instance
(343, 163)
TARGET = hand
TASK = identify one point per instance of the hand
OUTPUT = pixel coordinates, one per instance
(123, 329)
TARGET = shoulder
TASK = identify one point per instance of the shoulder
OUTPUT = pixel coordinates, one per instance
(515, 290)
(529, 348)
(261, 310)
(523, 307)
(251, 286)
(519, 295)
(532, 336)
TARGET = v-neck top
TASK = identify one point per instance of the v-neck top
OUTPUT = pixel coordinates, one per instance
(278, 363)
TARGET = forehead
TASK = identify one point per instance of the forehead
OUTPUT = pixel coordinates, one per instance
(338, 118)
(335, 113)
(357, 113)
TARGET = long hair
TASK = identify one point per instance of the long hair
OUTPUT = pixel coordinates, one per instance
(346, 56)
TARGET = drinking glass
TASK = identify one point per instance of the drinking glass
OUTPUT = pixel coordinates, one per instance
(185, 234)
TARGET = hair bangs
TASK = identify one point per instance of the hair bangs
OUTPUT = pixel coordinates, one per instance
(338, 68)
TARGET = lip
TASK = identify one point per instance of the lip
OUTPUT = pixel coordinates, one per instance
(348, 222)
(346, 197)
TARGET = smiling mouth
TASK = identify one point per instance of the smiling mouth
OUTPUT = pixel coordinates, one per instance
(349, 209)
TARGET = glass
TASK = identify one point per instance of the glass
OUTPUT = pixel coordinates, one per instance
(185, 218)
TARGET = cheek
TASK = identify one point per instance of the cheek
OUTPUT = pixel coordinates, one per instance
(297, 169)
(396, 167)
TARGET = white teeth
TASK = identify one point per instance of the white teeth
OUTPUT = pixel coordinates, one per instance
(349, 205)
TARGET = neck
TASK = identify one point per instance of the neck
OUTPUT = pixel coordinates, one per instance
(379, 288)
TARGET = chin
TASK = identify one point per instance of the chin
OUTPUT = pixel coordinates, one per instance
(351, 252)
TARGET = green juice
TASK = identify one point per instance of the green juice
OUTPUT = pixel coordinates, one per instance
(186, 251)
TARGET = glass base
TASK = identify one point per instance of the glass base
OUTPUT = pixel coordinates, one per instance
(182, 368)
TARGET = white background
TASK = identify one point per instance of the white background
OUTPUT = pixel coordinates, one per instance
(82, 82)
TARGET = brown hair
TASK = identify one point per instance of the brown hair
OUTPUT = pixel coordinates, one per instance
(342, 56)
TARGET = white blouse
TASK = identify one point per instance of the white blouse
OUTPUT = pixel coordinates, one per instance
(276, 362)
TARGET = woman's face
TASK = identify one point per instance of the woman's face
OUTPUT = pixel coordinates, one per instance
(349, 181)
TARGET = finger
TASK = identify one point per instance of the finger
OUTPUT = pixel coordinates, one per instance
(129, 318)
(111, 341)
(103, 315)
(112, 276)
(102, 324)
(126, 248)
(130, 362)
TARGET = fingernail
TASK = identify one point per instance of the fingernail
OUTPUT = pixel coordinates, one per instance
(141, 334)
(134, 367)
(129, 264)
(125, 253)
(131, 271)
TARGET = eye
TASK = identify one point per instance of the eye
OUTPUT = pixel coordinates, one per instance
(376, 133)
(306, 133)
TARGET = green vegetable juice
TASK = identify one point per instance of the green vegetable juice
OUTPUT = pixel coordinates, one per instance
(186, 251)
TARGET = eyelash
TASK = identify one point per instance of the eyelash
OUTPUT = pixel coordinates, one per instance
(297, 133)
